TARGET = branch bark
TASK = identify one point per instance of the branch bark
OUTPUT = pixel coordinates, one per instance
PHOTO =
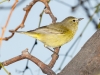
(26, 55)
(87, 61)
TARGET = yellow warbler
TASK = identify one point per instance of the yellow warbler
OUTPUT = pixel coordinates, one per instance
(57, 34)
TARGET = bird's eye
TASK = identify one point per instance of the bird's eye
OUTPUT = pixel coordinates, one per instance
(73, 20)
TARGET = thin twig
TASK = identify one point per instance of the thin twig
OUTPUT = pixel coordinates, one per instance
(5, 26)
(54, 57)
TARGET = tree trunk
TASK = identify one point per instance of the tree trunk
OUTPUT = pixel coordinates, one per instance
(87, 61)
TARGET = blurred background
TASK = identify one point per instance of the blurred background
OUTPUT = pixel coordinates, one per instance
(87, 9)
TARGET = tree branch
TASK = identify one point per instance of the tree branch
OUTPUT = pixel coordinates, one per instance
(26, 55)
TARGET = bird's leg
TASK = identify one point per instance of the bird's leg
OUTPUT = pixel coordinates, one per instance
(50, 49)
(58, 47)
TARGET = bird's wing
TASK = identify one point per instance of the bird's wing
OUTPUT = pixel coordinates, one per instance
(50, 29)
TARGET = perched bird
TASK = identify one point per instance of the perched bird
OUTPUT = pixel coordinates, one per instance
(57, 34)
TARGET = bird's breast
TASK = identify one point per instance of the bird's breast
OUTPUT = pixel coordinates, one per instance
(56, 40)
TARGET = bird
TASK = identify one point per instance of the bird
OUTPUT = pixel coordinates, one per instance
(55, 34)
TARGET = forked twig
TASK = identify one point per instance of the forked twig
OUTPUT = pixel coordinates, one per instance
(26, 55)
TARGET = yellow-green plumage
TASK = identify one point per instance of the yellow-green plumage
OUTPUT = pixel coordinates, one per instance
(57, 34)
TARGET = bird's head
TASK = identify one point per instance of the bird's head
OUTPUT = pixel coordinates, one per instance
(71, 22)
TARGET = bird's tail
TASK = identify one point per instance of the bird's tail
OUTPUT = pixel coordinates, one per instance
(20, 32)
(32, 34)
(24, 32)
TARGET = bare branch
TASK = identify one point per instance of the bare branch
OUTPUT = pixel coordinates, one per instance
(26, 55)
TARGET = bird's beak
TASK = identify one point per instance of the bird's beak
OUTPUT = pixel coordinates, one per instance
(80, 19)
